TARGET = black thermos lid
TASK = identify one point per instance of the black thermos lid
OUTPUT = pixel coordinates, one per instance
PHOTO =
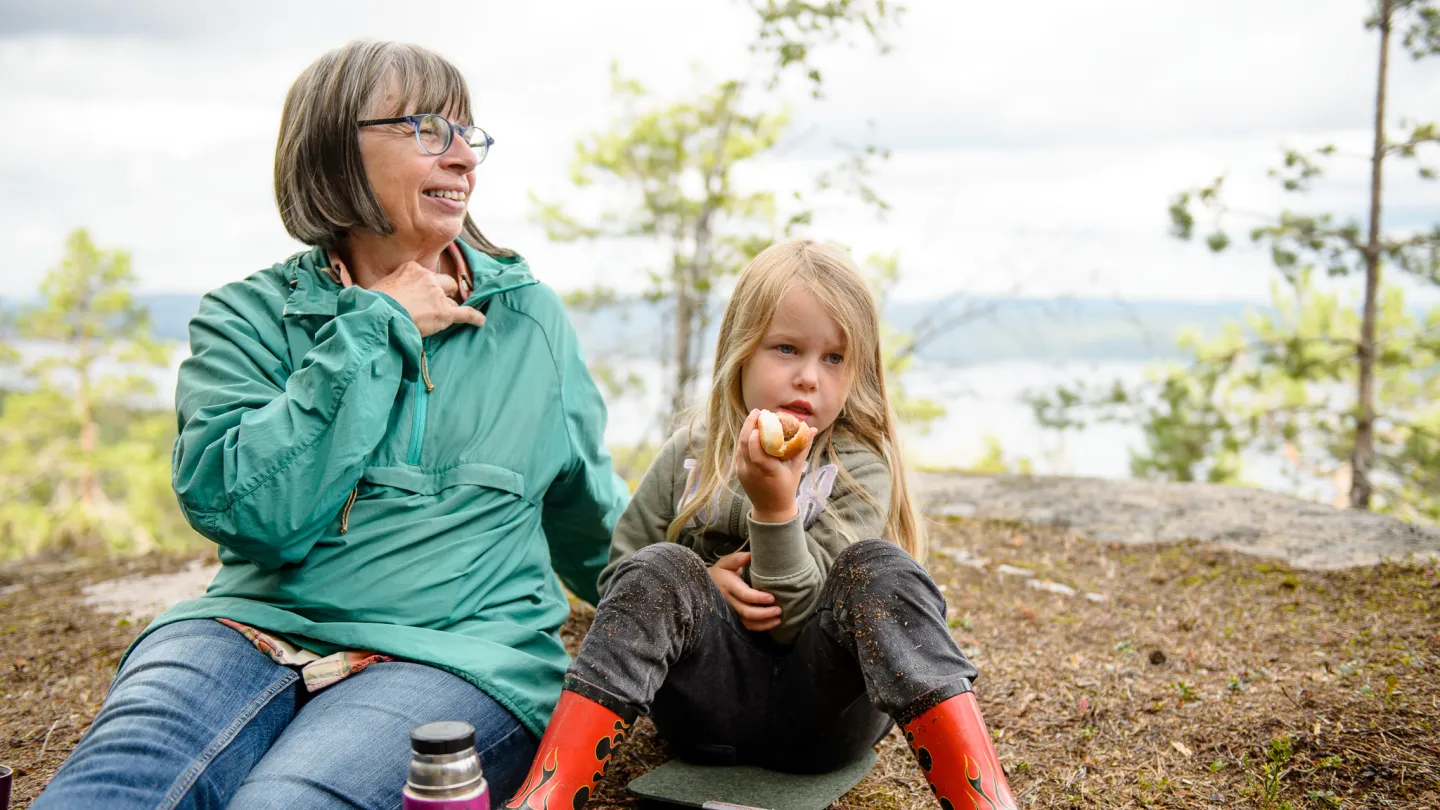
(447, 737)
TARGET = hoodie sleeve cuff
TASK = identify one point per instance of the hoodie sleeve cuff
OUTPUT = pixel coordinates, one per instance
(778, 550)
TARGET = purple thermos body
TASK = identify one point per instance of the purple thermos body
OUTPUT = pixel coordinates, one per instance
(444, 769)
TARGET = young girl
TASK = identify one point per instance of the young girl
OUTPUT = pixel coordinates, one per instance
(769, 629)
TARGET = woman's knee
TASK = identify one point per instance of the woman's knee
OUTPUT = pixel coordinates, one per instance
(189, 634)
(193, 709)
(194, 659)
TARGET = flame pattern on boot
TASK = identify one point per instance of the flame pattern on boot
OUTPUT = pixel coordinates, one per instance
(975, 774)
(955, 731)
(537, 792)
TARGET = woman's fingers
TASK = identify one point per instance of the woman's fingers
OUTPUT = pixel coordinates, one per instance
(429, 298)
(446, 284)
(470, 315)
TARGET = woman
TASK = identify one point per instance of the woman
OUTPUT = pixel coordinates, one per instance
(393, 439)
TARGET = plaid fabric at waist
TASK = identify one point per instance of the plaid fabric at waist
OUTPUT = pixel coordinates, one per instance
(316, 671)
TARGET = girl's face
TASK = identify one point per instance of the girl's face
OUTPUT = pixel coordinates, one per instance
(800, 366)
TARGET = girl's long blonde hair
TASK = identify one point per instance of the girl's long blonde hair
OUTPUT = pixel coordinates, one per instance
(866, 417)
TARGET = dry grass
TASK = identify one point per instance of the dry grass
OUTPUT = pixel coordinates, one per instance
(56, 659)
(1204, 680)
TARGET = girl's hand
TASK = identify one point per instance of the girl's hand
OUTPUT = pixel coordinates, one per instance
(756, 608)
(769, 482)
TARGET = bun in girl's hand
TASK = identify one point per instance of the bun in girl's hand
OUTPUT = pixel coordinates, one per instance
(782, 435)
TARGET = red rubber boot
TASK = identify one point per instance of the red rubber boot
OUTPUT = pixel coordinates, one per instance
(572, 756)
(954, 750)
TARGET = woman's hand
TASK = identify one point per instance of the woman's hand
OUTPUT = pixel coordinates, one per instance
(769, 482)
(757, 609)
(428, 298)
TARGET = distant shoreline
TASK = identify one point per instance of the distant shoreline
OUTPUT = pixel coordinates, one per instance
(990, 329)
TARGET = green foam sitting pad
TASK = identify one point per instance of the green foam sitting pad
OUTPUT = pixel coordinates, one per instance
(740, 787)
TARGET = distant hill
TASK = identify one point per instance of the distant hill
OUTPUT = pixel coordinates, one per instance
(170, 313)
(984, 330)
(991, 329)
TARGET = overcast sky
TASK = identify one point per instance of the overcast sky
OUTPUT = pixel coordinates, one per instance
(1036, 145)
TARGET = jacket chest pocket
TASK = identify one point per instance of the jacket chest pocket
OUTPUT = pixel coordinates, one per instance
(422, 482)
(507, 482)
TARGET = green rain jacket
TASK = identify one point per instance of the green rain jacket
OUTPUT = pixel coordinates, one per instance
(475, 456)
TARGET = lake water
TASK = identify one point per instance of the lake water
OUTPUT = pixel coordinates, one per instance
(984, 400)
(980, 400)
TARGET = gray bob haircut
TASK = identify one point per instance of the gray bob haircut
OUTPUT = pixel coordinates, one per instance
(320, 181)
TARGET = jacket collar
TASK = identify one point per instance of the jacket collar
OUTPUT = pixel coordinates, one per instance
(316, 283)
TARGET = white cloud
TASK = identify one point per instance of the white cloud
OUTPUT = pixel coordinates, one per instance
(1037, 142)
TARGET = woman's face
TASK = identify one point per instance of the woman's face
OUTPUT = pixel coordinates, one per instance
(425, 196)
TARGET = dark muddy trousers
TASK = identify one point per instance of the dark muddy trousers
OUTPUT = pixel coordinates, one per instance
(876, 651)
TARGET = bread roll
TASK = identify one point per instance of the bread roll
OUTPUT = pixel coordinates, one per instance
(782, 435)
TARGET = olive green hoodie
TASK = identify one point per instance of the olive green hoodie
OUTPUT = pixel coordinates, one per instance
(789, 560)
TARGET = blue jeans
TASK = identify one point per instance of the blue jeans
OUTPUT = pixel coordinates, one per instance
(199, 718)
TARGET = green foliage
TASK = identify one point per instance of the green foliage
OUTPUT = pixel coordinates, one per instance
(632, 462)
(1421, 22)
(1280, 384)
(82, 466)
(666, 172)
(1347, 392)
(1186, 691)
(791, 30)
(669, 166)
(613, 383)
(994, 462)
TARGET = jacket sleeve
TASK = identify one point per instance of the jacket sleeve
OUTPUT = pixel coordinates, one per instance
(265, 457)
(791, 562)
(586, 499)
(648, 516)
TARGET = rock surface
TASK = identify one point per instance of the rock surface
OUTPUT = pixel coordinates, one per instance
(1304, 534)
(142, 598)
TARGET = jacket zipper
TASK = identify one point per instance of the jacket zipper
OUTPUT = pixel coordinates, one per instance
(422, 394)
(345, 513)
(417, 435)
(423, 387)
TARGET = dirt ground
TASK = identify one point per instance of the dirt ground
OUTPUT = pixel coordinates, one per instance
(1186, 678)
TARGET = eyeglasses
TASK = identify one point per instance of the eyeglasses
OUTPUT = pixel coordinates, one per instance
(434, 133)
